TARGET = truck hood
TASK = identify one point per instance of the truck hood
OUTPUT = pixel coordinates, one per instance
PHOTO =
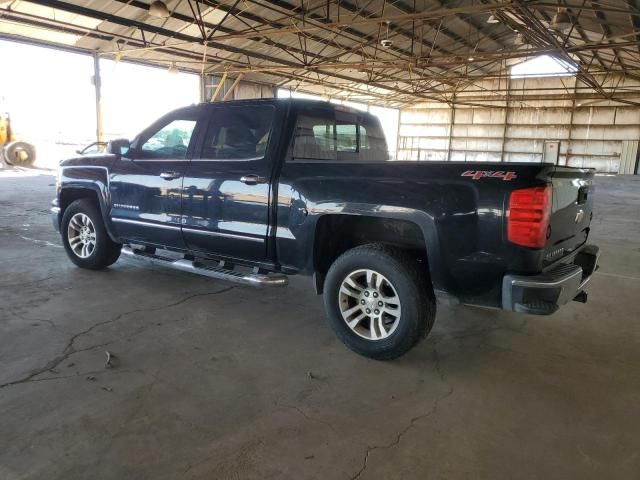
(97, 159)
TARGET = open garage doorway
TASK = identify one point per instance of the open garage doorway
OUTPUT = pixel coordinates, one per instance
(134, 96)
(51, 98)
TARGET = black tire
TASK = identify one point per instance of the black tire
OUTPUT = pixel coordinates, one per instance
(19, 154)
(105, 252)
(413, 288)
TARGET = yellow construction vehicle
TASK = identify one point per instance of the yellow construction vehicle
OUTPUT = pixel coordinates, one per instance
(6, 135)
(11, 151)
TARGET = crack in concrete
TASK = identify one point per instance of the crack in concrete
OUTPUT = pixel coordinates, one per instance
(139, 310)
(70, 349)
(74, 375)
(49, 367)
(307, 417)
(30, 282)
(47, 321)
(398, 439)
(35, 322)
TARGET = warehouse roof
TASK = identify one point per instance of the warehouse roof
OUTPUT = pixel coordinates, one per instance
(393, 52)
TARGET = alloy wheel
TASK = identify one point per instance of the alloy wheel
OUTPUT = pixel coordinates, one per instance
(81, 235)
(369, 304)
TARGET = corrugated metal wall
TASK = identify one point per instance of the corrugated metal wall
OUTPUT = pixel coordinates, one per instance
(629, 157)
(592, 133)
(244, 90)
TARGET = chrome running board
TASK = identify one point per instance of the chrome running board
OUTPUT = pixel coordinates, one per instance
(254, 279)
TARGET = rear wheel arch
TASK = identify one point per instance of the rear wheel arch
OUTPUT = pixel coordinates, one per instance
(336, 234)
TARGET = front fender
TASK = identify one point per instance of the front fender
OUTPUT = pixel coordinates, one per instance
(92, 178)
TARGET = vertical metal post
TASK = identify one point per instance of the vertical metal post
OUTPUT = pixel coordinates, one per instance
(97, 85)
(567, 152)
(203, 88)
(506, 120)
(452, 121)
(397, 152)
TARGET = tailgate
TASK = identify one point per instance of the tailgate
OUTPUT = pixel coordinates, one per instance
(571, 211)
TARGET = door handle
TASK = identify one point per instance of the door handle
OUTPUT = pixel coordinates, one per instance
(253, 179)
(170, 175)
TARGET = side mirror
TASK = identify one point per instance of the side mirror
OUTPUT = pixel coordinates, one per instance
(120, 146)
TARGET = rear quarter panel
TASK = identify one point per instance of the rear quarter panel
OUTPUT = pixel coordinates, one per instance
(461, 218)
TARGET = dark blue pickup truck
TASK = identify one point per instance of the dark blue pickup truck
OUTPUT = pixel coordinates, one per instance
(254, 191)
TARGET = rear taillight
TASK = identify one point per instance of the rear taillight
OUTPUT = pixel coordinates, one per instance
(528, 216)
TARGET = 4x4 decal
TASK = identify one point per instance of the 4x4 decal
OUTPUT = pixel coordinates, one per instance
(478, 174)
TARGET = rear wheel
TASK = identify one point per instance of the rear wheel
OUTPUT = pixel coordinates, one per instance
(84, 237)
(378, 300)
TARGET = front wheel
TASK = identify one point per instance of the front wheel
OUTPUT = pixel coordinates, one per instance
(84, 237)
(379, 301)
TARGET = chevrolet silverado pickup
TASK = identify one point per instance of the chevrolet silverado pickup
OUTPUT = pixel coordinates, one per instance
(254, 191)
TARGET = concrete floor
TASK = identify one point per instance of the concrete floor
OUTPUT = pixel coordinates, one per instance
(219, 381)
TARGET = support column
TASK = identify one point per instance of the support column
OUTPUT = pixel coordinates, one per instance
(452, 121)
(397, 152)
(506, 120)
(97, 85)
(567, 152)
(203, 88)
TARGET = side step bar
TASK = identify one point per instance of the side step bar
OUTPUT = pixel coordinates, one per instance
(254, 279)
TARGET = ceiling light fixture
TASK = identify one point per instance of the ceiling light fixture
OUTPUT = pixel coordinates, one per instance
(561, 19)
(159, 9)
(386, 42)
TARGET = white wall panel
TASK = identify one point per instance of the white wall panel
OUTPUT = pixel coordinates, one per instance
(591, 132)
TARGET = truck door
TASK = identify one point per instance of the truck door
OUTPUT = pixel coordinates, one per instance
(146, 182)
(226, 194)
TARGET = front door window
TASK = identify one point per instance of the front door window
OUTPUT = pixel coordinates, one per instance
(170, 142)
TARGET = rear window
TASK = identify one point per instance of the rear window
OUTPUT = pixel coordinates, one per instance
(325, 134)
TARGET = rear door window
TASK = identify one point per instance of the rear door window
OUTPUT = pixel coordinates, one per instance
(325, 134)
(314, 137)
(347, 137)
(238, 133)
